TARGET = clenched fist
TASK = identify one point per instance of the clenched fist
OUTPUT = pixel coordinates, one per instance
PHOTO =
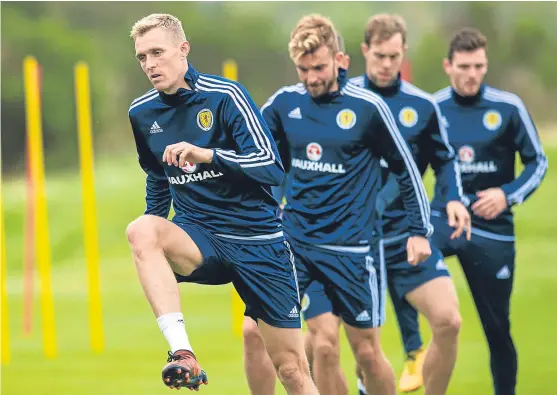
(180, 153)
(418, 249)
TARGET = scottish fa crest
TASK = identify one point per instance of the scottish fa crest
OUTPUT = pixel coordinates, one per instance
(205, 119)
(346, 119)
(408, 117)
(492, 120)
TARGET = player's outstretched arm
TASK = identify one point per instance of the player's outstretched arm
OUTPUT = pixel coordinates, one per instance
(157, 195)
(256, 155)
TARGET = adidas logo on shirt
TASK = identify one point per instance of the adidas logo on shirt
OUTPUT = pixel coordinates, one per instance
(295, 113)
(155, 128)
(363, 316)
(294, 313)
(504, 273)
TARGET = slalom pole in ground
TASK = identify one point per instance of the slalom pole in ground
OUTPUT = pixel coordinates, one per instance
(4, 325)
(29, 245)
(40, 219)
(28, 253)
(90, 229)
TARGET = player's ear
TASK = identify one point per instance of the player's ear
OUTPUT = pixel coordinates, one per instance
(339, 56)
(447, 66)
(347, 61)
(185, 49)
(365, 48)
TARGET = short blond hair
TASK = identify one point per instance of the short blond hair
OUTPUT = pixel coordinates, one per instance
(382, 27)
(165, 21)
(311, 33)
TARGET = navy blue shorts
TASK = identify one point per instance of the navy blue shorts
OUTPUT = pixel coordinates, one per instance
(349, 280)
(315, 301)
(263, 274)
(488, 258)
(402, 277)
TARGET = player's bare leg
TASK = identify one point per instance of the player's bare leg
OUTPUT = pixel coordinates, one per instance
(377, 372)
(327, 373)
(160, 248)
(258, 366)
(308, 346)
(360, 383)
(438, 302)
(286, 349)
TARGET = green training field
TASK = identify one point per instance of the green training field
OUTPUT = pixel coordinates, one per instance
(135, 349)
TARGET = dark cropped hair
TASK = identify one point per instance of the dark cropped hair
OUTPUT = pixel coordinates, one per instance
(466, 40)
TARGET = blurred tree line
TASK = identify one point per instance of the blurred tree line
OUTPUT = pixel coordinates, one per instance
(522, 41)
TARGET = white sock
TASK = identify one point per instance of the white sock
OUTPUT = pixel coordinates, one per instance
(174, 329)
(361, 387)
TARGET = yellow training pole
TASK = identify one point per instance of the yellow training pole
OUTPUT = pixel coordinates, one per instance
(230, 71)
(90, 233)
(36, 157)
(5, 327)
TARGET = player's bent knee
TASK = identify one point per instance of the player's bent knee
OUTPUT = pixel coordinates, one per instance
(249, 326)
(447, 325)
(366, 355)
(251, 334)
(326, 351)
(290, 372)
(324, 333)
(142, 232)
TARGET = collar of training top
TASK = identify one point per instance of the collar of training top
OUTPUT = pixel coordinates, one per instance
(468, 100)
(184, 95)
(383, 90)
(342, 78)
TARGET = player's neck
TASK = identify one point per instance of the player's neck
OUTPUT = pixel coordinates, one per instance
(467, 99)
(180, 83)
(174, 89)
(386, 89)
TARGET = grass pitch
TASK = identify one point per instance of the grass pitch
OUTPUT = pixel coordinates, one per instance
(135, 350)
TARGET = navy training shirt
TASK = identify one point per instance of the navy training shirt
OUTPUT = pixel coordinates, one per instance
(332, 147)
(486, 131)
(231, 197)
(419, 121)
